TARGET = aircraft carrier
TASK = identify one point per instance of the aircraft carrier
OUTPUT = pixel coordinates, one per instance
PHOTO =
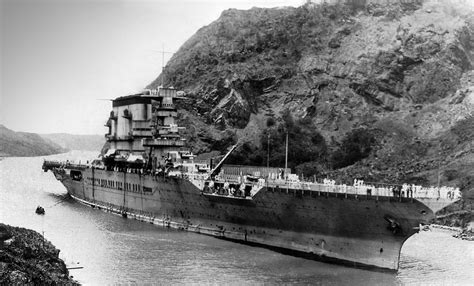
(149, 175)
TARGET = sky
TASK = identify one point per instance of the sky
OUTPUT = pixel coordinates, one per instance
(62, 60)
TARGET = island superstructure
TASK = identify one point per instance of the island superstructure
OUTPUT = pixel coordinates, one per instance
(150, 175)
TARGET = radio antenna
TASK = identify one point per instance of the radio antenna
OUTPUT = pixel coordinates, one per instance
(163, 52)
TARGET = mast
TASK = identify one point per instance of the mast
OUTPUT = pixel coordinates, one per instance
(163, 52)
(268, 150)
(163, 65)
(286, 155)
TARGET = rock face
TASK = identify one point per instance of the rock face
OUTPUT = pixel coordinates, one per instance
(400, 71)
(27, 259)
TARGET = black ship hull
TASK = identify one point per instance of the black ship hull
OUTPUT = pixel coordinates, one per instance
(357, 230)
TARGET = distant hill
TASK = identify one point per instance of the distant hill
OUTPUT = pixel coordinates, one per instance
(76, 142)
(25, 144)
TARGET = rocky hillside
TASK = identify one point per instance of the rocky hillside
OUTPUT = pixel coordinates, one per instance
(27, 259)
(379, 90)
(25, 144)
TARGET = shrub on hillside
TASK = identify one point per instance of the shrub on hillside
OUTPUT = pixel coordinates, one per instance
(305, 144)
(354, 147)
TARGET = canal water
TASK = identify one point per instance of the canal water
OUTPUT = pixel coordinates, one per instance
(114, 250)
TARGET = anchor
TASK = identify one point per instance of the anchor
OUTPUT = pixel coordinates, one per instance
(393, 225)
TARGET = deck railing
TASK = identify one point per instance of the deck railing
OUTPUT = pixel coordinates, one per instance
(407, 191)
(327, 186)
(50, 164)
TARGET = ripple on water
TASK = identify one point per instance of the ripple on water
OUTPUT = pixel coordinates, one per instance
(435, 257)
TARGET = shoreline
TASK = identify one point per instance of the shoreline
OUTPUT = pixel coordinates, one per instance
(27, 258)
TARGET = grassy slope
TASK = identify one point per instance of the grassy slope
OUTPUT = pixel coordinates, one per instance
(76, 142)
(25, 144)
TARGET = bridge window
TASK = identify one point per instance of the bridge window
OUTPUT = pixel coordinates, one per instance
(147, 190)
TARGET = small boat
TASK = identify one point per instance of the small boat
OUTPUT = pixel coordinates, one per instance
(39, 210)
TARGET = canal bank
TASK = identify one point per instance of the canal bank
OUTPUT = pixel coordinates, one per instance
(27, 258)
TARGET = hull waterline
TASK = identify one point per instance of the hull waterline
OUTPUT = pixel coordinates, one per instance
(338, 228)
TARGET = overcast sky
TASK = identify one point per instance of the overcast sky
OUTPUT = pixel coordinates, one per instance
(59, 58)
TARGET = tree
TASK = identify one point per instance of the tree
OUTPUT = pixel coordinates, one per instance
(305, 143)
(354, 147)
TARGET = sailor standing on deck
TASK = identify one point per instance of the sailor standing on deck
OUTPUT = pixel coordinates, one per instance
(241, 190)
(211, 186)
(226, 188)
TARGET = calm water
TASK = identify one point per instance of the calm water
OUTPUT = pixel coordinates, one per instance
(114, 250)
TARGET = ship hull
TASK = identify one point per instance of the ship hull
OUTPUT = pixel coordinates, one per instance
(346, 229)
